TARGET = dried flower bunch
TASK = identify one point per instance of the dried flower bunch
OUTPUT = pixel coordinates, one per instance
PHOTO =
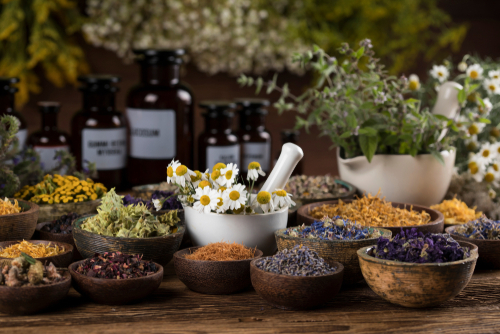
(456, 212)
(314, 187)
(416, 247)
(482, 228)
(116, 266)
(222, 251)
(171, 202)
(218, 191)
(31, 249)
(26, 271)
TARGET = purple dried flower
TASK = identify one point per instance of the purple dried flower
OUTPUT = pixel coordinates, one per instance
(170, 204)
(482, 228)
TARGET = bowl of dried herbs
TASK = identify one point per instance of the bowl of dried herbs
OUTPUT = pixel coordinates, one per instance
(58, 253)
(414, 269)
(17, 219)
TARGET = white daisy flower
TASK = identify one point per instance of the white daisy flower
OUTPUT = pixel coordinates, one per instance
(475, 169)
(495, 75)
(462, 66)
(216, 177)
(414, 82)
(221, 205)
(496, 148)
(158, 205)
(282, 199)
(197, 178)
(205, 176)
(492, 86)
(172, 166)
(228, 175)
(264, 201)
(235, 197)
(471, 143)
(484, 111)
(485, 155)
(440, 72)
(206, 200)
(462, 122)
(254, 170)
(475, 128)
(219, 165)
(491, 176)
(475, 72)
(183, 174)
(203, 184)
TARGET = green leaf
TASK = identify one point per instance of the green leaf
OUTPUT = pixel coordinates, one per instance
(438, 156)
(441, 117)
(484, 120)
(367, 131)
(346, 134)
(259, 83)
(360, 52)
(351, 121)
(28, 258)
(462, 96)
(368, 146)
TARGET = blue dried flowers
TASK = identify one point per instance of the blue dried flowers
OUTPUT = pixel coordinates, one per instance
(170, 204)
(416, 247)
(482, 228)
(333, 229)
(299, 261)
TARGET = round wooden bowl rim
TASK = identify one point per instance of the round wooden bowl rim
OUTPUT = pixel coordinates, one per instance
(285, 209)
(340, 269)
(75, 264)
(44, 286)
(451, 229)
(178, 255)
(363, 253)
(66, 246)
(42, 224)
(351, 190)
(33, 208)
(438, 220)
(279, 233)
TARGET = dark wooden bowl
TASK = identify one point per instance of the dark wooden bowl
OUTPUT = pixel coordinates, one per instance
(115, 291)
(157, 249)
(343, 251)
(61, 261)
(31, 299)
(59, 237)
(213, 277)
(19, 225)
(436, 224)
(296, 292)
(147, 190)
(49, 212)
(417, 284)
(488, 249)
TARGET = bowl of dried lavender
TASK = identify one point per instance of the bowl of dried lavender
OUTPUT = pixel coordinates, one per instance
(485, 234)
(333, 239)
(116, 278)
(296, 279)
(414, 269)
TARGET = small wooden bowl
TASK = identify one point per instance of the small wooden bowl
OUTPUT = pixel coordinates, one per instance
(436, 224)
(19, 225)
(213, 277)
(488, 249)
(343, 251)
(59, 237)
(49, 212)
(417, 284)
(157, 249)
(147, 190)
(296, 292)
(31, 299)
(115, 291)
(62, 260)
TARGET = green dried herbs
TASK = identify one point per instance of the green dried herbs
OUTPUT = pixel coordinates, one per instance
(133, 221)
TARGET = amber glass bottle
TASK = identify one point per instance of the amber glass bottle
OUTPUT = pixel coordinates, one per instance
(47, 141)
(218, 143)
(254, 139)
(292, 136)
(160, 117)
(99, 131)
(7, 92)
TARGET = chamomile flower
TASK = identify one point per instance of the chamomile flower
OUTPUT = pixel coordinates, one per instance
(485, 155)
(414, 82)
(206, 200)
(462, 66)
(496, 148)
(197, 178)
(215, 176)
(235, 197)
(475, 128)
(205, 176)
(203, 184)
(172, 166)
(475, 169)
(495, 75)
(183, 174)
(254, 170)
(282, 199)
(471, 143)
(491, 176)
(264, 201)
(440, 72)
(484, 111)
(221, 205)
(219, 165)
(492, 86)
(463, 122)
(228, 175)
(475, 72)
(158, 205)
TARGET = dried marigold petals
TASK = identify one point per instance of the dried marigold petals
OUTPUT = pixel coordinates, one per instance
(222, 251)
(456, 212)
(7, 207)
(33, 250)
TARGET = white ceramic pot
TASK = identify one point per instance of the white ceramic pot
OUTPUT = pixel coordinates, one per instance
(401, 178)
(255, 230)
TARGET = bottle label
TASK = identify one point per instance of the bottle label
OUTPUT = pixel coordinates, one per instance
(152, 133)
(47, 155)
(106, 147)
(259, 152)
(22, 136)
(224, 154)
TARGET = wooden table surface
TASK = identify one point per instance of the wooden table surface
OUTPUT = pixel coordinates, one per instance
(175, 309)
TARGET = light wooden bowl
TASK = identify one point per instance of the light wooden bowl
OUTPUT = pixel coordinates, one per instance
(19, 225)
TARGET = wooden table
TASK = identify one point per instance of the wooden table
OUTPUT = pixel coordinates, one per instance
(175, 309)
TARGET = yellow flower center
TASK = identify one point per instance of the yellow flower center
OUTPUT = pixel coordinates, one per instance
(263, 197)
(486, 153)
(492, 88)
(190, 199)
(253, 165)
(280, 193)
(220, 202)
(229, 175)
(471, 97)
(181, 170)
(471, 146)
(473, 74)
(473, 129)
(219, 165)
(240, 210)
(495, 132)
(495, 76)
(204, 184)
(205, 200)
(489, 177)
(440, 74)
(170, 171)
(234, 195)
(215, 174)
(222, 189)
(473, 169)
(413, 85)
(196, 177)
(495, 167)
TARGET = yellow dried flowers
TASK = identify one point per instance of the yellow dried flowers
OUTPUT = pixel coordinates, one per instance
(62, 189)
(6, 207)
(33, 250)
(456, 212)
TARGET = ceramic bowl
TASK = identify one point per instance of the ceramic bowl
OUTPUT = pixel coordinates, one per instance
(32, 299)
(343, 251)
(213, 277)
(157, 249)
(59, 237)
(488, 249)
(62, 260)
(115, 291)
(49, 212)
(19, 225)
(436, 224)
(255, 230)
(417, 284)
(296, 292)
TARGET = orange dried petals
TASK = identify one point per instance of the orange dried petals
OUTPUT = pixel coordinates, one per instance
(456, 212)
(222, 251)
(7, 208)
(33, 250)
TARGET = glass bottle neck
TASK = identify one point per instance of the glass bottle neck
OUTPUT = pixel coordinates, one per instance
(49, 121)
(98, 101)
(252, 122)
(219, 124)
(6, 103)
(160, 74)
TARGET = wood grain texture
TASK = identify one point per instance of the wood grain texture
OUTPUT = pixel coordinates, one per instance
(59, 237)
(19, 225)
(62, 260)
(50, 212)
(414, 284)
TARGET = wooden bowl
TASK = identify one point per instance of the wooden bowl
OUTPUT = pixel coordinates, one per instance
(19, 225)
(147, 190)
(115, 291)
(343, 251)
(436, 224)
(31, 299)
(157, 249)
(488, 249)
(296, 292)
(59, 237)
(417, 284)
(213, 277)
(49, 212)
(62, 260)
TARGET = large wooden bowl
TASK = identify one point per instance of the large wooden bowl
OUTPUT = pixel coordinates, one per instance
(296, 292)
(62, 260)
(213, 277)
(157, 249)
(343, 251)
(436, 224)
(417, 284)
(49, 212)
(59, 237)
(488, 249)
(31, 299)
(115, 291)
(19, 225)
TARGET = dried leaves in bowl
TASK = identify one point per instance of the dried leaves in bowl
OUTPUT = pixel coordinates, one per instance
(116, 266)
(314, 187)
(482, 228)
